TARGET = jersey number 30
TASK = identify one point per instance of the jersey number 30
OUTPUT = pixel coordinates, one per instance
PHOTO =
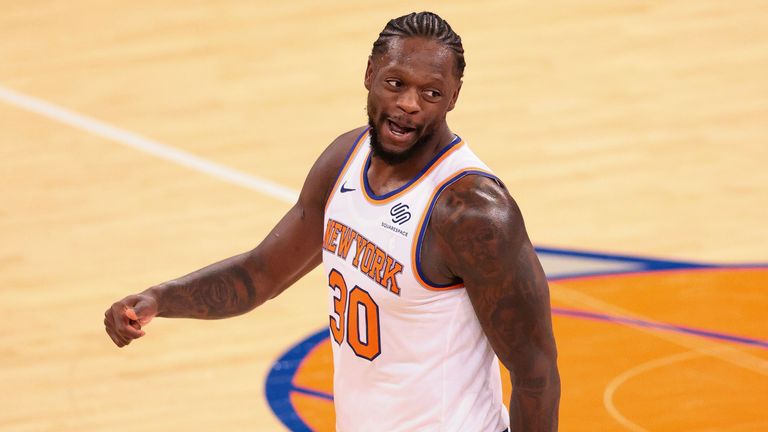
(355, 316)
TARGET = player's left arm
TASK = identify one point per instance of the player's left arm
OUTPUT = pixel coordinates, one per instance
(486, 245)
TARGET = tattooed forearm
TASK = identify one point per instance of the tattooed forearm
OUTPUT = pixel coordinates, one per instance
(535, 402)
(487, 247)
(221, 290)
(535, 385)
(521, 332)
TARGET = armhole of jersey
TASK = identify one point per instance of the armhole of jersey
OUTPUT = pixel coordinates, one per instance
(347, 161)
(421, 229)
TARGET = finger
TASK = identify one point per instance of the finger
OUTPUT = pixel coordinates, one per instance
(115, 335)
(144, 312)
(128, 331)
(116, 314)
(134, 325)
(110, 330)
(115, 338)
(131, 314)
(111, 336)
(113, 320)
(122, 339)
(123, 322)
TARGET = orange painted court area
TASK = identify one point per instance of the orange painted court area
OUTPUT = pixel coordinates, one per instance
(626, 373)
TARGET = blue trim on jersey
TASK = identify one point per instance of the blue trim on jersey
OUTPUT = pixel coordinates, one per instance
(421, 173)
(431, 206)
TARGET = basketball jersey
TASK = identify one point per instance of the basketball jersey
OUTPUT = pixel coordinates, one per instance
(409, 354)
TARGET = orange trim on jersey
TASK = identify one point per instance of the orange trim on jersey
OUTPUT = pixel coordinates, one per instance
(410, 185)
(350, 157)
(424, 220)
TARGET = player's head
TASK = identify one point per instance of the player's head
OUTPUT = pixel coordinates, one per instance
(413, 79)
(427, 25)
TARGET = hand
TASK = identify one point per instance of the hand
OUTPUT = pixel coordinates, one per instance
(124, 319)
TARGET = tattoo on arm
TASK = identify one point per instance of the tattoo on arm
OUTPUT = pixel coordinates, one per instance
(221, 290)
(520, 325)
(488, 248)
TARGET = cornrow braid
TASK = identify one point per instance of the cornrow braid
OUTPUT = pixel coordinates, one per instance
(422, 24)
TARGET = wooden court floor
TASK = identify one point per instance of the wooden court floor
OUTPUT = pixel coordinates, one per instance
(142, 140)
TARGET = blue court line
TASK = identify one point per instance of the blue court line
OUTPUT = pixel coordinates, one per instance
(661, 326)
(311, 392)
(646, 262)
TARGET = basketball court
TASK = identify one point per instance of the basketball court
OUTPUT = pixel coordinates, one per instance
(140, 141)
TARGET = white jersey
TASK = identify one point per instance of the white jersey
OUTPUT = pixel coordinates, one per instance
(409, 354)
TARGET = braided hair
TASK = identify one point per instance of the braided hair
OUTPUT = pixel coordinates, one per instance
(422, 24)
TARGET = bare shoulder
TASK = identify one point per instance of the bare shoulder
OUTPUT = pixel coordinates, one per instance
(475, 203)
(476, 219)
(322, 175)
(479, 190)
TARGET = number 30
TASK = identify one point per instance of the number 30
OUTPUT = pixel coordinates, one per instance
(347, 308)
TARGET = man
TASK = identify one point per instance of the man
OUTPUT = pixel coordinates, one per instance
(430, 270)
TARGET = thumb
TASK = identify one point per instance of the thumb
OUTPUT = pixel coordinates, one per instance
(142, 312)
(133, 319)
(131, 314)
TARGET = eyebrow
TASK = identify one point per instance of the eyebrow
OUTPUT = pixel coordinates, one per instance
(431, 77)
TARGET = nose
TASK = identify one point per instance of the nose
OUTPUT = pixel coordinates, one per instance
(408, 101)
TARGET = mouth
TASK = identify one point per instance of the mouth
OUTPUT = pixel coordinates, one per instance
(399, 131)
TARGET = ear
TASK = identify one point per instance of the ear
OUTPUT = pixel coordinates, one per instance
(455, 96)
(368, 74)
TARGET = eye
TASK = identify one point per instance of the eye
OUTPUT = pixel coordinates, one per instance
(432, 94)
(393, 83)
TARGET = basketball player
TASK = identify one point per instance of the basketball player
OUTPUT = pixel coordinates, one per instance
(430, 271)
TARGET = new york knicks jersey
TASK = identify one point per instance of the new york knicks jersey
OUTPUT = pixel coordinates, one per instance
(409, 354)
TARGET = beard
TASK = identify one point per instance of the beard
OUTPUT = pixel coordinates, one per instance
(395, 158)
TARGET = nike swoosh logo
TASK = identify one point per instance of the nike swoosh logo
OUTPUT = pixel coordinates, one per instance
(344, 188)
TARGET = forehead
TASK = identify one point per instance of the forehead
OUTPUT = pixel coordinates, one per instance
(418, 55)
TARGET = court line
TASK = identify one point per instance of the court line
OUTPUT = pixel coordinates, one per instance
(305, 348)
(662, 326)
(310, 392)
(146, 145)
(619, 380)
(705, 346)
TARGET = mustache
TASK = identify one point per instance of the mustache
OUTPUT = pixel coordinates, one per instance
(402, 121)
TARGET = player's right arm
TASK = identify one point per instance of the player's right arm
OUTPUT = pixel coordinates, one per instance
(240, 283)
